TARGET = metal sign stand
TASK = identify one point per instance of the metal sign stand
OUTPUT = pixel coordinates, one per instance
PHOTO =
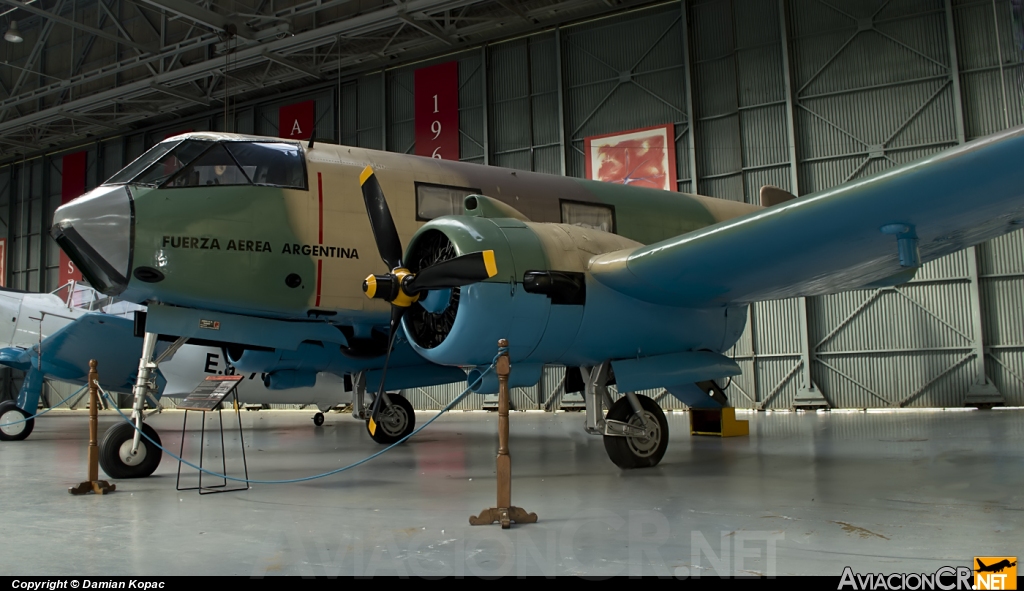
(504, 513)
(203, 398)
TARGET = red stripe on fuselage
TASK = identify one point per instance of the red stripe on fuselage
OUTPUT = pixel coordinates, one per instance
(320, 216)
(319, 270)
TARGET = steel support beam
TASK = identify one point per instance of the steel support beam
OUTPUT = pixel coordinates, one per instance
(426, 29)
(564, 164)
(180, 95)
(66, 21)
(486, 117)
(278, 59)
(688, 82)
(808, 395)
(196, 13)
(90, 121)
(982, 392)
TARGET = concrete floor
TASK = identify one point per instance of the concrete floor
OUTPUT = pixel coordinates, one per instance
(804, 494)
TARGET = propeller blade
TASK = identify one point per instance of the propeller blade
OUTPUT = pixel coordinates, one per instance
(463, 270)
(396, 319)
(383, 225)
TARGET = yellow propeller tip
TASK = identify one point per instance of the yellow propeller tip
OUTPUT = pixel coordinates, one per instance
(490, 264)
(367, 173)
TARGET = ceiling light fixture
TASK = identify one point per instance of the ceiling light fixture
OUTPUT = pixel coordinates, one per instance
(12, 34)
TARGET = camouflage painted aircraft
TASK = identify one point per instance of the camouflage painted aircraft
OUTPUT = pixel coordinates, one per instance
(262, 245)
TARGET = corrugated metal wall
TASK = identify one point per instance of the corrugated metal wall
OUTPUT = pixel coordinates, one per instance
(801, 94)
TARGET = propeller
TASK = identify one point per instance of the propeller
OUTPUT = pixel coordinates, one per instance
(401, 287)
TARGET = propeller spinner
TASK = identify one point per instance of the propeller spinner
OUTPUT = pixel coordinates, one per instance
(401, 287)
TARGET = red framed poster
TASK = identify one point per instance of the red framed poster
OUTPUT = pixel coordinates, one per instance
(436, 94)
(296, 121)
(640, 157)
(72, 185)
(3, 262)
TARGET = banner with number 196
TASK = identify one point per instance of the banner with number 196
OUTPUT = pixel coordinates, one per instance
(436, 91)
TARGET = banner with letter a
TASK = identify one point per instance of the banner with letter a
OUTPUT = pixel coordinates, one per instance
(295, 122)
(436, 92)
(72, 185)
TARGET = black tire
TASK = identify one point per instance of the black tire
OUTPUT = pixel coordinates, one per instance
(635, 452)
(121, 435)
(395, 422)
(318, 419)
(13, 426)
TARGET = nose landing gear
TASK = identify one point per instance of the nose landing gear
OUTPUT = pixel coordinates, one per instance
(124, 452)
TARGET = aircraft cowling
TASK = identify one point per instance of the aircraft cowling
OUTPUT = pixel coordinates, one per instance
(544, 301)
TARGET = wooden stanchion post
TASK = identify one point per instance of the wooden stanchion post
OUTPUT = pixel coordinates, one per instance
(504, 513)
(94, 484)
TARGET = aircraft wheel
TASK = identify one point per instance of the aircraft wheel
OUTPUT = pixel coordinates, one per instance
(13, 426)
(638, 452)
(116, 458)
(318, 419)
(395, 422)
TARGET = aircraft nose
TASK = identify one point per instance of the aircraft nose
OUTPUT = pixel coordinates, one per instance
(95, 231)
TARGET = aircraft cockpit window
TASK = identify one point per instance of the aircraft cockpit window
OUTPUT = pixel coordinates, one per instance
(183, 154)
(277, 164)
(141, 163)
(214, 167)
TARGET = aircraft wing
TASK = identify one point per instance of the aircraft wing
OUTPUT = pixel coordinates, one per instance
(15, 357)
(835, 240)
(108, 339)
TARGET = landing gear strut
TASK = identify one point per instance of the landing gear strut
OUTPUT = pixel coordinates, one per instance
(395, 420)
(635, 429)
(124, 453)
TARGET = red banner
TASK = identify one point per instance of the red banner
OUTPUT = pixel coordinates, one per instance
(295, 122)
(437, 111)
(72, 185)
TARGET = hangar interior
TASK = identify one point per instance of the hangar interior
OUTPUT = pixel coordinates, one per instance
(800, 94)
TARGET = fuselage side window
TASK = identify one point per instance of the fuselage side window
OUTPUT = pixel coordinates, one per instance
(180, 157)
(434, 201)
(589, 215)
(276, 164)
(214, 167)
(141, 163)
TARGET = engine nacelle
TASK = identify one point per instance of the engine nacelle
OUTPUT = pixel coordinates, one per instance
(544, 301)
(310, 356)
(286, 379)
(286, 369)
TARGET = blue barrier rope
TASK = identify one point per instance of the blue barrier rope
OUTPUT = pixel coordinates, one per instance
(27, 419)
(324, 474)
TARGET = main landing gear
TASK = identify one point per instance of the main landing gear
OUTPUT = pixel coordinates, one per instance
(13, 426)
(124, 452)
(635, 429)
(394, 421)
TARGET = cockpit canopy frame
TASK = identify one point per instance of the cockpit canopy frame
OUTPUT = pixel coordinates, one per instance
(192, 162)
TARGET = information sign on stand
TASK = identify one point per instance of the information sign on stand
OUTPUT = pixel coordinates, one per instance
(207, 397)
(210, 393)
